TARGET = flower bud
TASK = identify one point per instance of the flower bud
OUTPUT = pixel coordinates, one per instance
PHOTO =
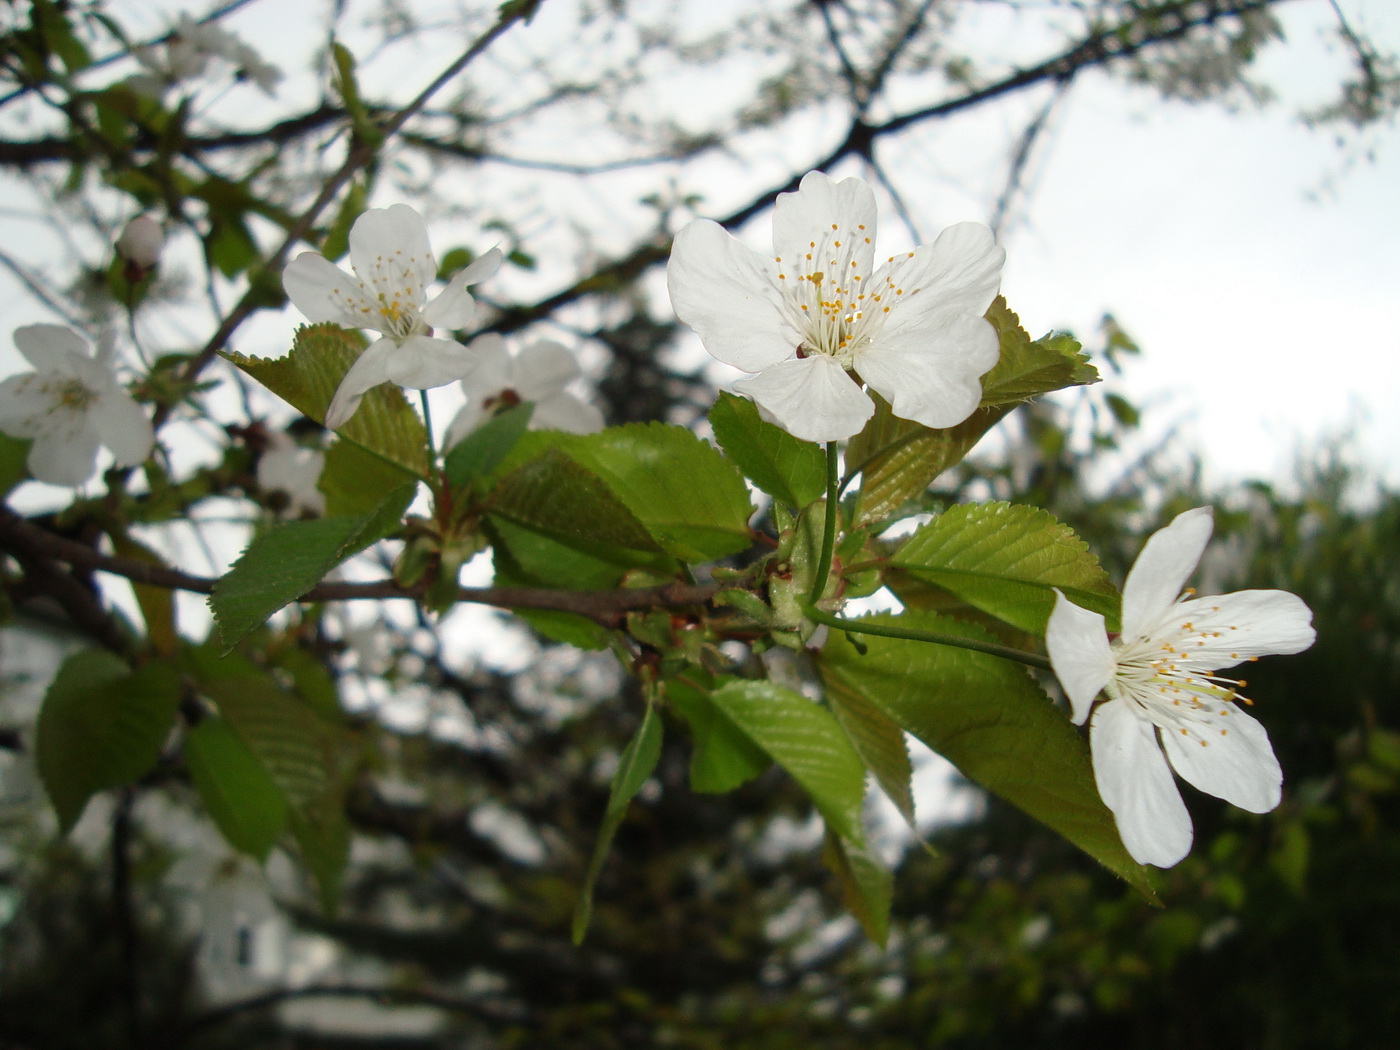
(141, 242)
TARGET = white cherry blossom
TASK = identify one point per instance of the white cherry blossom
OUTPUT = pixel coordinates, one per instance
(293, 470)
(71, 404)
(1167, 709)
(818, 317)
(538, 373)
(388, 293)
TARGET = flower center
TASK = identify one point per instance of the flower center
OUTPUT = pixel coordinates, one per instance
(72, 394)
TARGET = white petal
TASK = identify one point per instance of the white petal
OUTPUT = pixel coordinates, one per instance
(824, 210)
(122, 426)
(1079, 653)
(454, 307)
(368, 371)
(543, 370)
(1161, 570)
(724, 290)
(64, 455)
(932, 374)
(423, 362)
(1226, 753)
(48, 346)
(959, 272)
(324, 292)
(1228, 628)
(811, 398)
(24, 405)
(1136, 783)
(389, 250)
(566, 412)
(492, 368)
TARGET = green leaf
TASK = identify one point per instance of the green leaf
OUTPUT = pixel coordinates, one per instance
(898, 459)
(337, 241)
(101, 726)
(692, 499)
(881, 746)
(635, 766)
(1025, 368)
(241, 798)
(791, 471)
(1007, 560)
(989, 718)
(355, 481)
(805, 740)
(722, 756)
(14, 467)
(560, 498)
(287, 561)
(157, 603)
(481, 451)
(867, 886)
(308, 377)
(322, 833)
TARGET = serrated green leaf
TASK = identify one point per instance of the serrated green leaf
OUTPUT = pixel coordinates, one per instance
(308, 377)
(481, 451)
(1007, 560)
(636, 765)
(806, 741)
(101, 725)
(1027, 368)
(881, 746)
(722, 756)
(557, 496)
(898, 459)
(791, 471)
(692, 499)
(241, 798)
(287, 561)
(355, 481)
(295, 747)
(989, 718)
(867, 886)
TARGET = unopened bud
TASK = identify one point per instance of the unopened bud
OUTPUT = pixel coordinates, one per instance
(141, 242)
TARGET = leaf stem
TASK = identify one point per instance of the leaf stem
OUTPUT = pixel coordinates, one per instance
(990, 648)
(829, 530)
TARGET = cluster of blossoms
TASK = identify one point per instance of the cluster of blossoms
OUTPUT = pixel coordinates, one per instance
(187, 52)
(815, 323)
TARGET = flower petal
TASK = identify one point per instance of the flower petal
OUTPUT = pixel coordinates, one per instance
(454, 307)
(1136, 783)
(368, 371)
(1161, 570)
(932, 374)
(723, 290)
(46, 346)
(389, 251)
(1232, 627)
(960, 272)
(422, 362)
(811, 398)
(566, 412)
(1079, 653)
(122, 426)
(66, 452)
(821, 212)
(25, 405)
(543, 370)
(324, 292)
(1226, 753)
